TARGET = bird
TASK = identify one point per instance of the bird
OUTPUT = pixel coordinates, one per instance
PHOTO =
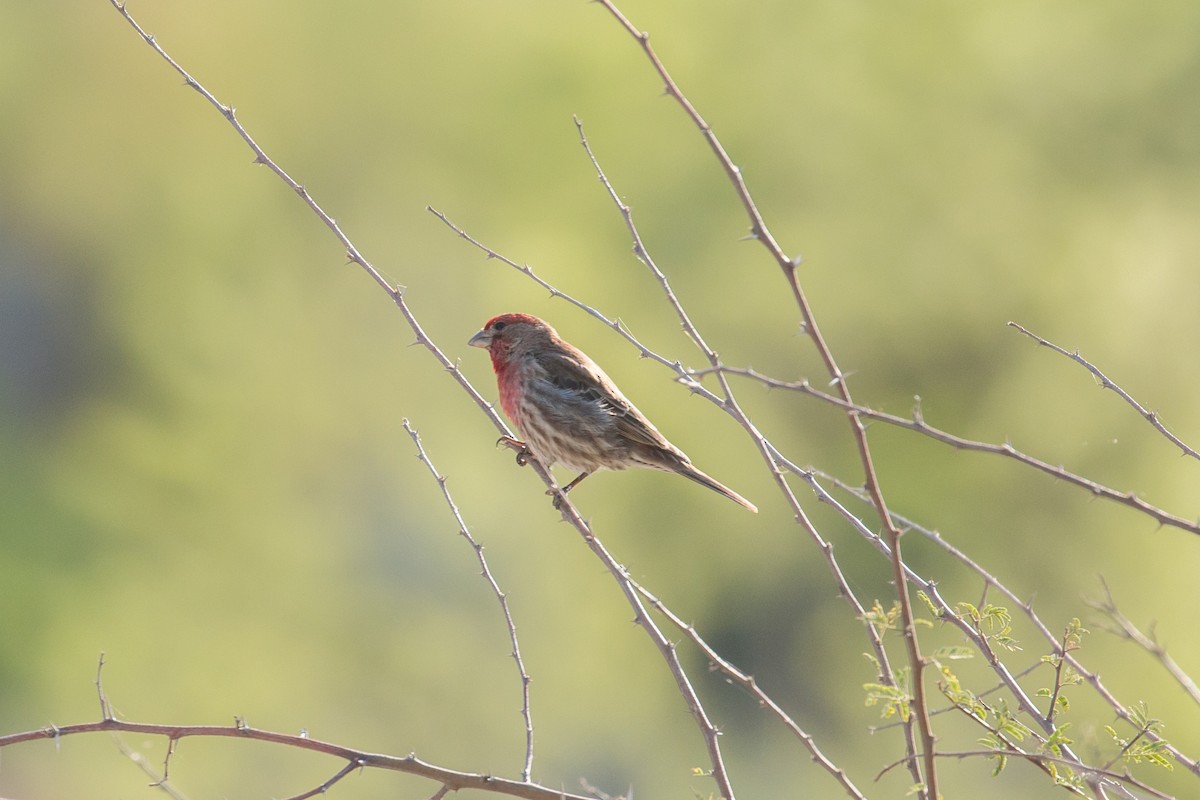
(570, 412)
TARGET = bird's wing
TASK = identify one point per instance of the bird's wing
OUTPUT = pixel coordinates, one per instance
(578, 374)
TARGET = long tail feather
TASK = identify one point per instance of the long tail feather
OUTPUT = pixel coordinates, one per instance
(688, 471)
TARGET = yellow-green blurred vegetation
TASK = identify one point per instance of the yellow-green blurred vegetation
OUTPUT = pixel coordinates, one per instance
(203, 471)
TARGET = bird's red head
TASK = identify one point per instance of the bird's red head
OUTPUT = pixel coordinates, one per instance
(501, 331)
(501, 321)
(505, 332)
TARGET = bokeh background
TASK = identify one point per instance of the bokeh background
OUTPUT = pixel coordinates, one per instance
(203, 471)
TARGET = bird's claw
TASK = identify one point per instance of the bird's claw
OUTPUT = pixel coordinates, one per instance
(558, 496)
(523, 453)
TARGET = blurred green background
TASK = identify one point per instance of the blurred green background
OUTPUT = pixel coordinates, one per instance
(204, 472)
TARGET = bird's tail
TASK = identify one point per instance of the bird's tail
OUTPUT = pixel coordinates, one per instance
(688, 471)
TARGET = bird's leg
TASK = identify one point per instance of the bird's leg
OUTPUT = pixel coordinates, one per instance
(558, 498)
(523, 452)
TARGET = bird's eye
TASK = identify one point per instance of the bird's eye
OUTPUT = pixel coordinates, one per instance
(498, 326)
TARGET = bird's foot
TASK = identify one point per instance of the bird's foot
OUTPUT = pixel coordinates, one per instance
(559, 496)
(522, 449)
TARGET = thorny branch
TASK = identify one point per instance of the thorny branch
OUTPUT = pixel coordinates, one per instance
(570, 514)
(854, 412)
(409, 764)
(918, 424)
(1090, 677)
(886, 674)
(1148, 642)
(486, 571)
(1107, 383)
(926, 778)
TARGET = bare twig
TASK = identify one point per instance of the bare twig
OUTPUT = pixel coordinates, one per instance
(158, 781)
(768, 451)
(463, 531)
(666, 648)
(327, 785)
(1148, 642)
(788, 265)
(1108, 383)
(886, 674)
(396, 293)
(919, 425)
(643, 255)
(748, 683)
(106, 711)
(569, 513)
(409, 764)
(758, 227)
(727, 401)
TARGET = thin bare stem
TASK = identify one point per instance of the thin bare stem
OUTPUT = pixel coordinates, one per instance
(327, 785)
(396, 293)
(1107, 383)
(767, 450)
(758, 227)
(788, 265)
(1148, 642)
(157, 780)
(727, 401)
(666, 648)
(501, 597)
(410, 764)
(918, 424)
(643, 254)
(748, 683)
(569, 513)
(106, 711)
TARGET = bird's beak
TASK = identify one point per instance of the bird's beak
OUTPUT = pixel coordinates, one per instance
(481, 339)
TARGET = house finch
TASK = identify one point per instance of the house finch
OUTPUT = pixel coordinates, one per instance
(569, 411)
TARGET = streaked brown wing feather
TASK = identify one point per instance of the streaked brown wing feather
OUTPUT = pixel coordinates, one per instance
(578, 373)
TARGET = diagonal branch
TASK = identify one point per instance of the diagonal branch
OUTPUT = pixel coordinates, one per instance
(486, 571)
(409, 764)
(1093, 679)
(1148, 642)
(751, 685)
(325, 786)
(569, 513)
(918, 424)
(1108, 383)
(788, 265)
(768, 451)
